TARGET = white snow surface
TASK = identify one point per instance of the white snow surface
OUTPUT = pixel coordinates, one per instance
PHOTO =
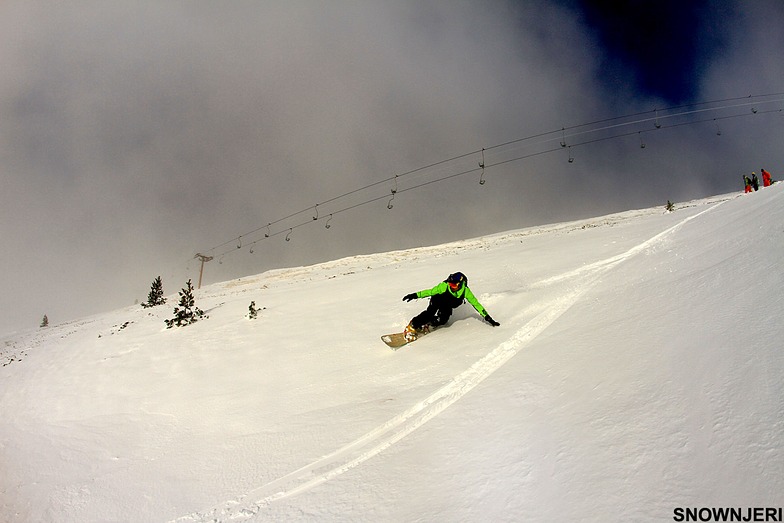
(638, 368)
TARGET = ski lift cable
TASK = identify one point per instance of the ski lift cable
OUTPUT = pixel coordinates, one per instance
(656, 118)
(344, 195)
(672, 126)
(633, 115)
(487, 165)
(674, 108)
(510, 160)
(539, 135)
(518, 158)
(750, 100)
(659, 117)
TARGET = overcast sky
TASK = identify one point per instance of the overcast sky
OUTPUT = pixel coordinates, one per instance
(134, 135)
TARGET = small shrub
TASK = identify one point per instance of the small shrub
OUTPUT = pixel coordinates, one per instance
(155, 297)
(186, 311)
(253, 311)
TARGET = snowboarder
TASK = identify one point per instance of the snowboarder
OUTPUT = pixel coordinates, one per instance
(747, 183)
(766, 179)
(754, 181)
(444, 298)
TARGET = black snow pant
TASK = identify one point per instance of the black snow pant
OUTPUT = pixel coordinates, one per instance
(438, 311)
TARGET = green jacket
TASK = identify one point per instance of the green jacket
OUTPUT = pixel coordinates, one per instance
(462, 293)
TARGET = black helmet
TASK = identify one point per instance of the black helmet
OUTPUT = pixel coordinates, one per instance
(456, 278)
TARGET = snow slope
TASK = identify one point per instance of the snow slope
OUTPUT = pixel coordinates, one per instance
(638, 368)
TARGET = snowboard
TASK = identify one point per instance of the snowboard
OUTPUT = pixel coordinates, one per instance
(398, 339)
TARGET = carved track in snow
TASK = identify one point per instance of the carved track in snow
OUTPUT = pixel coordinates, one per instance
(384, 436)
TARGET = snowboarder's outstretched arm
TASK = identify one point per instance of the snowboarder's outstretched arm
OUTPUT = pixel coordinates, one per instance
(470, 298)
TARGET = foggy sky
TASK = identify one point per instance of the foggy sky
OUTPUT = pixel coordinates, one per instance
(134, 135)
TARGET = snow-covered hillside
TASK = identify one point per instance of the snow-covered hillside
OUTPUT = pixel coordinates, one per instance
(638, 369)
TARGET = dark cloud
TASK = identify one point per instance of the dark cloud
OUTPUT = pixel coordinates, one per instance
(658, 46)
(133, 135)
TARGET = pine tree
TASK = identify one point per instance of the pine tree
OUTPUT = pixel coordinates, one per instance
(186, 312)
(156, 294)
(45, 321)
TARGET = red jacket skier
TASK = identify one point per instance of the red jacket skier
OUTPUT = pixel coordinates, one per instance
(766, 179)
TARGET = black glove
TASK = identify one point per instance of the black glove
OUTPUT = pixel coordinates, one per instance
(491, 321)
(409, 297)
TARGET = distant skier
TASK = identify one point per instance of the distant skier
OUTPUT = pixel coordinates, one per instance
(766, 179)
(444, 298)
(754, 181)
(747, 183)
